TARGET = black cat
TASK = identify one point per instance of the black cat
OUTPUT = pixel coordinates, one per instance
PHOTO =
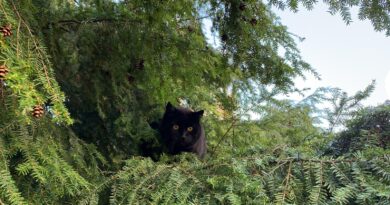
(181, 131)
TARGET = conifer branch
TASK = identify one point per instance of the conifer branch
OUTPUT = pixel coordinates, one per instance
(286, 182)
(35, 44)
(105, 20)
(90, 21)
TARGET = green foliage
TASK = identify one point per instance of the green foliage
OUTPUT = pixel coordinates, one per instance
(253, 179)
(30, 76)
(368, 129)
(119, 62)
(35, 164)
(337, 106)
(8, 188)
(47, 159)
(279, 125)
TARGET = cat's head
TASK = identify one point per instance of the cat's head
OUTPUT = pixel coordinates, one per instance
(181, 125)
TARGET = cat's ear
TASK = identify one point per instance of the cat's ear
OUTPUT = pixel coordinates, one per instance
(169, 107)
(198, 114)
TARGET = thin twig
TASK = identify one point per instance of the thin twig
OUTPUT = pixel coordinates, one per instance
(232, 125)
(4, 12)
(17, 38)
(2, 92)
(287, 179)
(224, 135)
(105, 20)
(277, 167)
(89, 21)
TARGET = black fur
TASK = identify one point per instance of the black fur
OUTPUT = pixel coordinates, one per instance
(181, 139)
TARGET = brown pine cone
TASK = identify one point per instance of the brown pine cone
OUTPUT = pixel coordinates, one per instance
(242, 6)
(253, 21)
(6, 30)
(140, 64)
(38, 111)
(3, 71)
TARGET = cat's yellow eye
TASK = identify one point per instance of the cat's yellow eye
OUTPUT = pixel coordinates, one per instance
(189, 129)
(175, 127)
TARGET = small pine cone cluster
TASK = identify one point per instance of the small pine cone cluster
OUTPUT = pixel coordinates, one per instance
(253, 21)
(242, 6)
(3, 71)
(139, 65)
(130, 78)
(6, 30)
(37, 111)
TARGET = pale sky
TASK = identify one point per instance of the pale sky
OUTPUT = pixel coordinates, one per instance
(346, 56)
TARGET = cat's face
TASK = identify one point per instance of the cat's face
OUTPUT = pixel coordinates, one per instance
(181, 126)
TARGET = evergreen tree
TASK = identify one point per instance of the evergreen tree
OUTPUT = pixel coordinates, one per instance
(80, 81)
(119, 63)
(369, 129)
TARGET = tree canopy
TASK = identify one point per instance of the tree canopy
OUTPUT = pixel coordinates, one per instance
(81, 80)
